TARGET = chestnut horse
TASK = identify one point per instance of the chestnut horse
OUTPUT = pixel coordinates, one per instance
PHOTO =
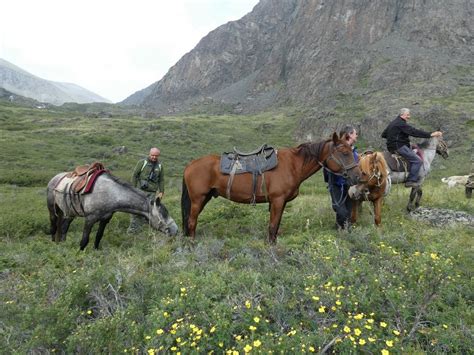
(202, 180)
(376, 181)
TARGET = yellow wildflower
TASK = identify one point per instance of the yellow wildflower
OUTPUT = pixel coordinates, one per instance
(385, 352)
(212, 330)
(359, 316)
(357, 331)
(247, 348)
(361, 341)
(151, 351)
(347, 329)
(315, 298)
(160, 331)
(434, 256)
(338, 302)
(371, 339)
(248, 304)
(396, 332)
(256, 319)
(322, 309)
(252, 328)
(389, 343)
(257, 343)
(383, 324)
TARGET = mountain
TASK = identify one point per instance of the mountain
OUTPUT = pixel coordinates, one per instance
(20, 82)
(309, 52)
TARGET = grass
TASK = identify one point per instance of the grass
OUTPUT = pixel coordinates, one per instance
(403, 288)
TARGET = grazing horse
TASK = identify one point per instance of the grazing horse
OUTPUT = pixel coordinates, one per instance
(108, 195)
(376, 183)
(203, 180)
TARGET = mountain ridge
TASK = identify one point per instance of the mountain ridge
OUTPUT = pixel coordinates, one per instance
(23, 83)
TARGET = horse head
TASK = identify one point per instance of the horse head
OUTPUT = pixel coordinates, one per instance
(161, 220)
(340, 160)
(374, 174)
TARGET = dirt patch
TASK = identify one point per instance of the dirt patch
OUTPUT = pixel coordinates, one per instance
(442, 217)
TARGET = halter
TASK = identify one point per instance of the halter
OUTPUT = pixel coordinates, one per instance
(344, 168)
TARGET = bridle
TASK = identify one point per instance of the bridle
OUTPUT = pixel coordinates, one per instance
(345, 168)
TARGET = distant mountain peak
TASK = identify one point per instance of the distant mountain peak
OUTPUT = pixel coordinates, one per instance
(21, 82)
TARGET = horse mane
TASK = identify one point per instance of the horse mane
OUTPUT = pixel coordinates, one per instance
(366, 167)
(125, 184)
(310, 150)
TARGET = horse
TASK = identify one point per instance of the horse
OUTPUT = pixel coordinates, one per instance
(376, 181)
(109, 195)
(202, 180)
(429, 148)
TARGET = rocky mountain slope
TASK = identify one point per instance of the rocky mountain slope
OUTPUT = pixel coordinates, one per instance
(20, 82)
(312, 52)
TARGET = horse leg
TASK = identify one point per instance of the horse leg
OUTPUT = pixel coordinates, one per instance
(85, 233)
(276, 211)
(419, 193)
(63, 228)
(355, 210)
(377, 211)
(100, 231)
(410, 206)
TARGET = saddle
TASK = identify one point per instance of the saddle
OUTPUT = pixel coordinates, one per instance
(255, 162)
(397, 163)
(84, 177)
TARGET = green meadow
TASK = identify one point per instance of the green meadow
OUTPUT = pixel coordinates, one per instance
(405, 287)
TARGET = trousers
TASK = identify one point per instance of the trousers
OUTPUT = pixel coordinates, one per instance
(413, 159)
(341, 204)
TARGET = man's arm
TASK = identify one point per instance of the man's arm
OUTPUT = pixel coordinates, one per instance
(414, 132)
(136, 174)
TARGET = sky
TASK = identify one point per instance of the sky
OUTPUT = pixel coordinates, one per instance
(110, 47)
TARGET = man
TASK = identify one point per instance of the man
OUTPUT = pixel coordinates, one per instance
(148, 176)
(398, 134)
(339, 187)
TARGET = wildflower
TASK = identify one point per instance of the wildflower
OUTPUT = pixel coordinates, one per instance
(151, 351)
(322, 309)
(347, 329)
(159, 331)
(183, 289)
(238, 337)
(385, 352)
(148, 337)
(89, 312)
(357, 331)
(434, 256)
(166, 314)
(315, 298)
(257, 343)
(370, 320)
(383, 324)
(371, 339)
(389, 343)
(212, 330)
(247, 348)
(256, 319)
(248, 304)
(359, 316)
(292, 332)
(338, 302)
(361, 341)
(396, 332)
(221, 344)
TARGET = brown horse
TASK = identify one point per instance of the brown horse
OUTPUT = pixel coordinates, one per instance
(203, 180)
(372, 186)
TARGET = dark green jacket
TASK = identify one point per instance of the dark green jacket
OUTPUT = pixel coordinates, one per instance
(148, 179)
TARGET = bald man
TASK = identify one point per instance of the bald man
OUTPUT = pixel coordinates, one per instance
(147, 176)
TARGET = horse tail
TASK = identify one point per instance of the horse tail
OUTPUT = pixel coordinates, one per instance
(185, 207)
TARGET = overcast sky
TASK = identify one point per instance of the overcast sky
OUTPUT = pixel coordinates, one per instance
(110, 47)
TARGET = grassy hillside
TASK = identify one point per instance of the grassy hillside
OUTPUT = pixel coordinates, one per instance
(403, 288)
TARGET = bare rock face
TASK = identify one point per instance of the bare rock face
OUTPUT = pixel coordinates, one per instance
(306, 51)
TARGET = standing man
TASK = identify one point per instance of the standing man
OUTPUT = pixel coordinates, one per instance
(338, 185)
(398, 134)
(147, 176)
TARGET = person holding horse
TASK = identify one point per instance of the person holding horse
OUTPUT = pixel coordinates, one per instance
(338, 186)
(148, 176)
(398, 134)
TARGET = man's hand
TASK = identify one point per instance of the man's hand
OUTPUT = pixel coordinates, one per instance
(436, 134)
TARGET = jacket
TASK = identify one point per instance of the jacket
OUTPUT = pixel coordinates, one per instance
(149, 176)
(398, 134)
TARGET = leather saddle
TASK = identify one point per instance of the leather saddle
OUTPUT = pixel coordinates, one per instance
(396, 162)
(255, 162)
(84, 177)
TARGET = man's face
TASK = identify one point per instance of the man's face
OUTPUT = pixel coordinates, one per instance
(352, 137)
(405, 116)
(154, 155)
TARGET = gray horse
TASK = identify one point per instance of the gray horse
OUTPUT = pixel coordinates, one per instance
(109, 195)
(430, 147)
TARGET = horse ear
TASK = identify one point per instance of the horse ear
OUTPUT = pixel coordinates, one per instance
(335, 138)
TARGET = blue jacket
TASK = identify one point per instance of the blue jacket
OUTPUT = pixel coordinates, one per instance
(338, 180)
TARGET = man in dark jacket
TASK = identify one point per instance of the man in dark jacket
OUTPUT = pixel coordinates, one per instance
(338, 185)
(147, 176)
(398, 134)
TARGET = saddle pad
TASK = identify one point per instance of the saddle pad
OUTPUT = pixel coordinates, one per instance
(398, 164)
(255, 164)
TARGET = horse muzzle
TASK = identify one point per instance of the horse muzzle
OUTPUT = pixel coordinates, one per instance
(355, 192)
(172, 229)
